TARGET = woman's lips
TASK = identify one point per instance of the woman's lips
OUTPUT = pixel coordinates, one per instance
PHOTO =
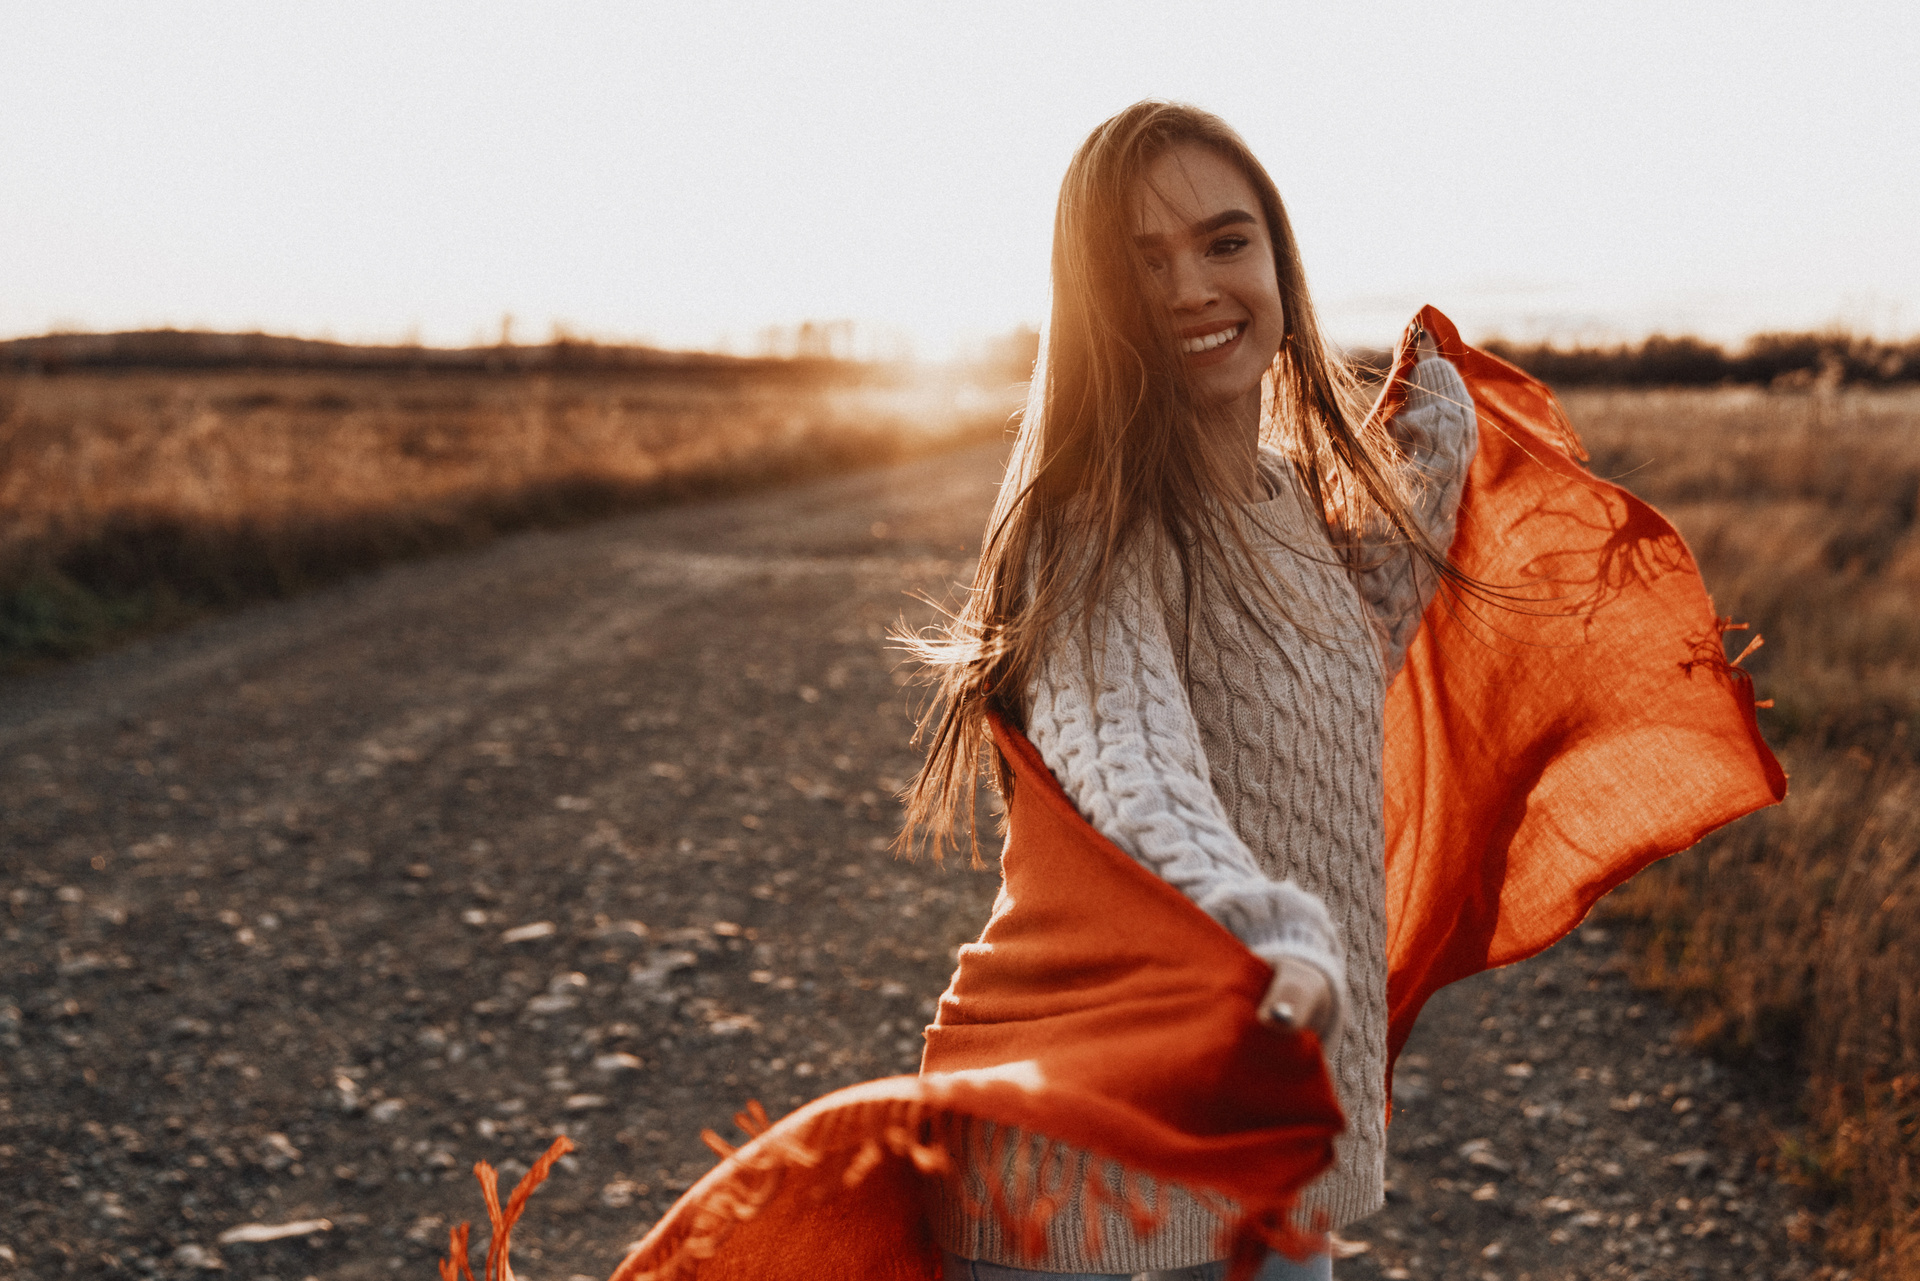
(1214, 346)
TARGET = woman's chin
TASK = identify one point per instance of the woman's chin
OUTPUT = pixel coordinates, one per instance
(1231, 373)
(1225, 385)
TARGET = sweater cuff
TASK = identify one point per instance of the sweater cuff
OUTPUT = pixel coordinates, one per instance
(1438, 379)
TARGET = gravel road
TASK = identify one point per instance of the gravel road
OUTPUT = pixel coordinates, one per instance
(311, 907)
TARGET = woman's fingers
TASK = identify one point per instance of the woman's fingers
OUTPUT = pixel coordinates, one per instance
(1298, 998)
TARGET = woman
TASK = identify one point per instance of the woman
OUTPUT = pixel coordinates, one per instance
(1204, 567)
(1202, 571)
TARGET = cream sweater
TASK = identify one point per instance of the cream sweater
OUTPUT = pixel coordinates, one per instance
(1249, 779)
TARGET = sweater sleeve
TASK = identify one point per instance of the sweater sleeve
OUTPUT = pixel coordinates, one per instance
(1109, 715)
(1438, 432)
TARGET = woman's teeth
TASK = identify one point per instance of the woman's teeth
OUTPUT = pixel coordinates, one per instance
(1207, 342)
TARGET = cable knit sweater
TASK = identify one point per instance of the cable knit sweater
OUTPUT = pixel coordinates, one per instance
(1248, 777)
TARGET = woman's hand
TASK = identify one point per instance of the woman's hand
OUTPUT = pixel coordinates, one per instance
(1298, 998)
(1425, 348)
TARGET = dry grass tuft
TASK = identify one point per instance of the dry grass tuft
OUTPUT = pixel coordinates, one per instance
(131, 499)
(1796, 933)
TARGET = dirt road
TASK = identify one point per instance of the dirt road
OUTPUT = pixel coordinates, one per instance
(312, 907)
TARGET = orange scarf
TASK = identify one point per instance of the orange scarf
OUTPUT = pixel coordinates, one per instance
(1537, 757)
(1538, 752)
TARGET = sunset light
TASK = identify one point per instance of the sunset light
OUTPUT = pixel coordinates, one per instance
(692, 174)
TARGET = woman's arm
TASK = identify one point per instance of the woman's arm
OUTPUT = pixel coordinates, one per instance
(1436, 430)
(1110, 716)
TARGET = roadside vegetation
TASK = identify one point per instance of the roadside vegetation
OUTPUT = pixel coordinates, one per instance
(1784, 361)
(1795, 934)
(133, 497)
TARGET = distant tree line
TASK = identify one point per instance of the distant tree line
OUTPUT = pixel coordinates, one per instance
(192, 349)
(1820, 359)
(1826, 358)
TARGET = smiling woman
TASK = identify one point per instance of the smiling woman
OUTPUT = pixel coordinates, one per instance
(1199, 661)
(1206, 563)
(1206, 566)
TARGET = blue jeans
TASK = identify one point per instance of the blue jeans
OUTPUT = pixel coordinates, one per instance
(1278, 1267)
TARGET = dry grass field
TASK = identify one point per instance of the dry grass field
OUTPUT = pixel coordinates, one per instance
(1796, 934)
(129, 499)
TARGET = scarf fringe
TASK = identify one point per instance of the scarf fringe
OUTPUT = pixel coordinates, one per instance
(749, 1177)
(1030, 1181)
(455, 1267)
(1710, 652)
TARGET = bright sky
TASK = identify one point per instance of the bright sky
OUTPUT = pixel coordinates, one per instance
(690, 172)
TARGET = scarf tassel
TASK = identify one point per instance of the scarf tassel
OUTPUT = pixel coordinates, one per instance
(1029, 1182)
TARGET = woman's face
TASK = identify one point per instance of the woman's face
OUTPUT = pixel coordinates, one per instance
(1207, 244)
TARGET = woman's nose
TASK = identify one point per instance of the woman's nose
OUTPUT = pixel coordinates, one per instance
(1188, 286)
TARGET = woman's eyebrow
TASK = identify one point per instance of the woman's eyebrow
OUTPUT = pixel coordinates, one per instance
(1204, 227)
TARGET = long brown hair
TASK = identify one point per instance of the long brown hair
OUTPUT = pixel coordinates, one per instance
(1115, 442)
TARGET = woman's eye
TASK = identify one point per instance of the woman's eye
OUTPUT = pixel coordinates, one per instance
(1227, 245)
